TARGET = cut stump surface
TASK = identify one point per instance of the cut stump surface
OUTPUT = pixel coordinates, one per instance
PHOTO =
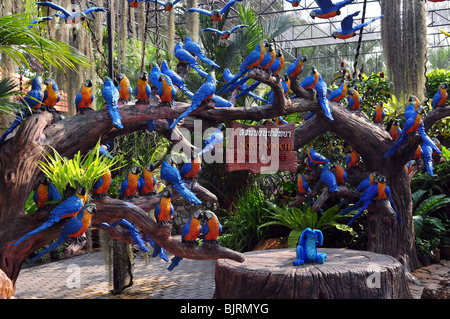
(346, 274)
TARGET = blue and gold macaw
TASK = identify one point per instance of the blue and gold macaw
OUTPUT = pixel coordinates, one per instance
(130, 185)
(321, 90)
(296, 68)
(135, 3)
(166, 91)
(395, 130)
(211, 228)
(172, 175)
(51, 94)
(438, 145)
(70, 207)
(286, 84)
(75, 227)
(32, 101)
(132, 230)
(176, 79)
(354, 99)
(253, 59)
(352, 159)
(102, 185)
(327, 9)
(84, 98)
(328, 177)
(71, 17)
(153, 77)
(184, 56)
(193, 168)
(227, 76)
(410, 166)
(164, 209)
(124, 88)
(302, 185)
(311, 80)
(379, 114)
(368, 181)
(193, 48)
(347, 29)
(39, 20)
(216, 138)
(278, 65)
(338, 94)
(216, 15)
(143, 92)
(147, 181)
(316, 158)
(225, 35)
(111, 95)
(204, 93)
(440, 98)
(221, 102)
(341, 175)
(168, 5)
(45, 192)
(294, 3)
(417, 154)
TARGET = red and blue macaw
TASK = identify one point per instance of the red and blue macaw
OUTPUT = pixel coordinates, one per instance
(338, 94)
(176, 79)
(193, 168)
(354, 99)
(32, 101)
(352, 159)
(168, 5)
(70, 207)
(327, 9)
(75, 227)
(395, 130)
(193, 48)
(111, 96)
(211, 228)
(440, 98)
(302, 185)
(347, 29)
(101, 187)
(130, 184)
(341, 175)
(216, 138)
(427, 154)
(216, 15)
(225, 35)
(185, 57)
(164, 209)
(124, 88)
(45, 192)
(379, 114)
(84, 98)
(147, 181)
(296, 68)
(51, 93)
(328, 177)
(172, 175)
(253, 59)
(204, 93)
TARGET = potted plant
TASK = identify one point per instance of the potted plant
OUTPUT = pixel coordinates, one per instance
(423, 251)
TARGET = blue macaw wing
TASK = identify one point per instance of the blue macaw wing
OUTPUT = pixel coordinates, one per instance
(324, 4)
(347, 22)
(238, 27)
(208, 13)
(362, 25)
(94, 9)
(53, 193)
(309, 80)
(54, 6)
(186, 168)
(228, 6)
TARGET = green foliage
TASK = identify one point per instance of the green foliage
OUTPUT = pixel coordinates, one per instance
(7, 92)
(435, 78)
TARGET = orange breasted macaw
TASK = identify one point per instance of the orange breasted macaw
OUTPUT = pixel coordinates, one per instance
(130, 184)
(354, 99)
(84, 97)
(75, 227)
(302, 185)
(316, 158)
(438, 145)
(379, 114)
(192, 168)
(70, 207)
(440, 98)
(339, 93)
(124, 87)
(370, 180)
(311, 80)
(395, 130)
(176, 79)
(164, 209)
(347, 29)
(147, 180)
(166, 91)
(216, 15)
(296, 68)
(101, 186)
(341, 174)
(51, 93)
(212, 227)
(225, 35)
(327, 9)
(168, 5)
(45, 192)
(295, 3)
(278, 65)
(142, 91)
(352, 159)
(411, 164)
(417, 153)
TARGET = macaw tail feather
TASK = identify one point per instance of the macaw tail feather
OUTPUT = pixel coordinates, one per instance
(257, 97)
(357, 214)
(396, 146)
(206, 149)
(197, 68)
(44, 226)
(150, 125)
(159, 251)
(186, 91)
(175, 261)
(20, 116)
(232, 81)
(182, 116)
(186, 193)
(49, 249)
(208, 61)
(326, 108)
(427, 140)
(309, 116)
(137, 239)
(115, 116)
(351, 208)
(241, 82)
(248, 89)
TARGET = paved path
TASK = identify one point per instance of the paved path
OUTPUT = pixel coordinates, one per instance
(85, 277)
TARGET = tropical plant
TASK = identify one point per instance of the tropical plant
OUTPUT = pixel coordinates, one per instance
(7, 92)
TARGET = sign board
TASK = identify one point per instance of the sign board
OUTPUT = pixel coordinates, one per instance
(261, 148)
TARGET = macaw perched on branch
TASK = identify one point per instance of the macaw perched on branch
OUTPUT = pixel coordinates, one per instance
(316, 158)
(427, 153)
(211, 228)
(354, 99)
(379, 114)
(185, 57)
(328, 177)
(143, 92)
(133, 231)
(327, 9)
(225, 35)
(311, 80)
(369, 181)
(216, 138)
(216, 15)
(168, 5)
(84, 98)
(227, 76)
(352, 159)
(45, 192)
(101, 187)
(440, 98)
(70, 17)
(111, 95)
(176, 79)
(193, 48)
(164, 209)
(321, 90)
(193, 168)
(51, 94)
(166, 91)
(130, 185)
(338, 94)
(296, 68)
(74, 228)
(68, 208)
(147, 181)
(347, 29)
(31, 101)
(124, 88)
(395, 130)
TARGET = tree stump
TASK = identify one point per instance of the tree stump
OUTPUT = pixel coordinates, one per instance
(346, 274)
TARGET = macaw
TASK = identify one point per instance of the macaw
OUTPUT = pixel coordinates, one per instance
(440, 98)
(321, 90)
(417, 154)
(189, 233)
(339, 93)
(164, 209)
(341, 175)
(38, 20)
(438, 145)
(410, 165)
(75, 227)
(166, 91)
(111, 95)
(253, 59)
(280, 121)
(216, 138)
(354, 99)
(216, 15)
(316, 158)
(278, 65)
(185, 57)
(369, 181)
(295, 3)
(204, 93)
(133, 231)
(102, 185)
(311, 80)
(168, 5)
(193, 48)
(70, 17)
(302, 185)
(135, 3)
(211, 228)
(395, 130)
(427, 152)
(147, 181)
(51, 93)
(227, 76)
(130, 184)
(379, 114)
(153, 77)
(170, 174)
(296, 68)
(31, 101)
(327, 9)
(124, 88)
(352, 159)
(193, 168)
(157, 249)
(45, 192)
(225, 35)
(286, 84)
(70, 207)
(347, 29)
(84, 98)
(328, 177)
(104, 149)
(221, 102)
(142, 91)
(176, 79)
